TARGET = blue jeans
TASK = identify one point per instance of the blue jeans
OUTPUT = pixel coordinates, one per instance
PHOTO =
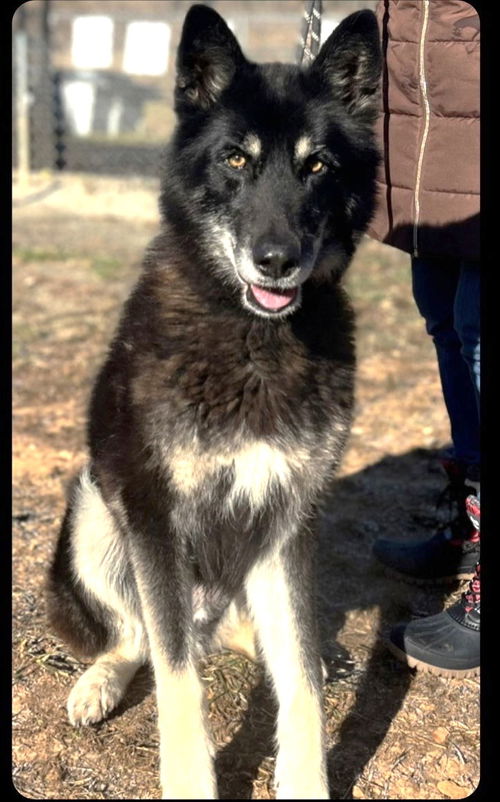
(446, 292)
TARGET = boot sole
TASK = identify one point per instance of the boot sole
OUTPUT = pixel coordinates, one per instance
(412, 662)
(424, 582)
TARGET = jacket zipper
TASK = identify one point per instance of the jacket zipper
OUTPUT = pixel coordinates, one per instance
(425, 98)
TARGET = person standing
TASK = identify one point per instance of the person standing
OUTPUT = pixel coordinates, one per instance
(429, 206)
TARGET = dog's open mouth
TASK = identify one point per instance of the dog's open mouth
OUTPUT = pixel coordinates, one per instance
(270, 299)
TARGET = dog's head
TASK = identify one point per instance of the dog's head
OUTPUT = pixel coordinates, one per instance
(271, 168)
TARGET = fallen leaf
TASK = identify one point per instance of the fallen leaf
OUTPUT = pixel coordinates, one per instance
(440, 735)
(452, 790)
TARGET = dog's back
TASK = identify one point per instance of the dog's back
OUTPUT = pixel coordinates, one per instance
(224, 404)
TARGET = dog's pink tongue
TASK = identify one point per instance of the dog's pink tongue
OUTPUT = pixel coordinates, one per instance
(273, 299)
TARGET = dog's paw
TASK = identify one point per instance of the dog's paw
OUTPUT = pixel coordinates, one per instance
(94, 696)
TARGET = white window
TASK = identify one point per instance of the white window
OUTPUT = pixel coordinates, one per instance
(92, 42)
(146, 48)
(79, 103)
(328, 24)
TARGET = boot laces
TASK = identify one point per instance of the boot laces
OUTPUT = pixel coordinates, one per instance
(457, 519)
(472, 597)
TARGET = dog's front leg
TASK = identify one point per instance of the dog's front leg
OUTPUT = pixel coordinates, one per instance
(186, 764)
(279, 595)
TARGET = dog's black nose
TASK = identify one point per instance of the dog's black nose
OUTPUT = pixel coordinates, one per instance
(276, 259)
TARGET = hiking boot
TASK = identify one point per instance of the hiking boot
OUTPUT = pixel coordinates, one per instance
(452, 553)
(446, 644)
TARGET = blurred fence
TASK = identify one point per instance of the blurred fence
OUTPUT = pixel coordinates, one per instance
(93, 79)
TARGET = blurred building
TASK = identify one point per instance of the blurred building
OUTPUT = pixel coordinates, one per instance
(95, 77)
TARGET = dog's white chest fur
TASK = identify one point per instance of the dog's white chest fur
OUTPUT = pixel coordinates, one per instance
(257, 467)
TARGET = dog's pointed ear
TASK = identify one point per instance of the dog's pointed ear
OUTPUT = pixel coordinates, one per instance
(349, 64)
(207, 59)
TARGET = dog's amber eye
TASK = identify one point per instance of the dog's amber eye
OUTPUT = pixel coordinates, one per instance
(237, 161)
(316, 166)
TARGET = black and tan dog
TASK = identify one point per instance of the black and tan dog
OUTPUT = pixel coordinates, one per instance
(225, 401)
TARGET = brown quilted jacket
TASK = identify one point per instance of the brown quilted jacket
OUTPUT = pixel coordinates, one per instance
(429, 129)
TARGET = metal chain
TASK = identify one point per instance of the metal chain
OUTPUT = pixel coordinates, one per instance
(311, 32)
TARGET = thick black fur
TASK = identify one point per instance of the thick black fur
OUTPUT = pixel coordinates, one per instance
(192, 359)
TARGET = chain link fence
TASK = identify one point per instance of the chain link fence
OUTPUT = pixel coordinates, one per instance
(93, 81)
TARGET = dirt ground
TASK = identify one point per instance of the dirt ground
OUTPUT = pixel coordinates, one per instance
(393, 733)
